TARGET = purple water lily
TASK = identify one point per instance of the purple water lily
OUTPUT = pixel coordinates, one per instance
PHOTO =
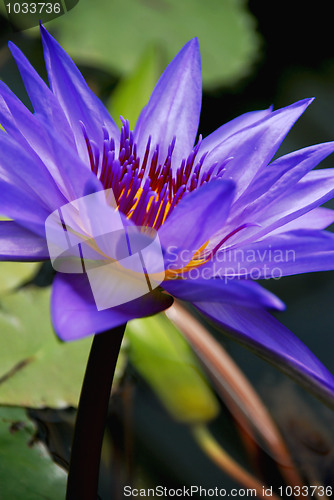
(225, 216)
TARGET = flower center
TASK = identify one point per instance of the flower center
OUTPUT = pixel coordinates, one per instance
(146, 190)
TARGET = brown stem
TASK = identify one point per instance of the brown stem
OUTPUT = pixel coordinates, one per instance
(226, 463)
(235, 388)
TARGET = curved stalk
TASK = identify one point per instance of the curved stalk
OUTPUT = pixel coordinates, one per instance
(91, 417)
(223, 460)
(235, 389)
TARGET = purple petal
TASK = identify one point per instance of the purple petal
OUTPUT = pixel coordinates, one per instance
(41, 97)
(19, 122)
(279, 177)
(174, 106)
(6, 117)
(20, 205)
(294, 252)
(28, 192)
(232, 127)
(263, 334)
(70, 172)
(19, 244)
(77, 100)
(280, 206)
(318, 218)
(237, 291)
(197, 217)
(29, 173)
(253, 147)
(38, 136)
(74, 313)
(313, 190)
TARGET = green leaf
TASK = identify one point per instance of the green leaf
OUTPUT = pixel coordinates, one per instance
(115, 33)
(36, 369)
(14, 274)
(164, 359)
(27, 472)
(133, 93)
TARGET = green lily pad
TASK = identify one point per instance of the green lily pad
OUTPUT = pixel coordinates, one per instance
(26, 470)
(36, 369)
(165, 360)
(14, 274)
(114, 34)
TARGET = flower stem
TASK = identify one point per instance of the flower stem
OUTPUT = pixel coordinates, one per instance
(91, 417)
(235, 390)
(218, 455)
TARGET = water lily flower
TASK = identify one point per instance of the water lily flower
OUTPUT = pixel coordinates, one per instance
(226, 214)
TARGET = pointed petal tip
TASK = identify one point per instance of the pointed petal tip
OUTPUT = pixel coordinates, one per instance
(12, 47)
(16, 51)
(42, 28)
(278, 304)
(307, 101)
(19, 57)
(304, 102)
(192, 48)
(45, 35)
(194, 42)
